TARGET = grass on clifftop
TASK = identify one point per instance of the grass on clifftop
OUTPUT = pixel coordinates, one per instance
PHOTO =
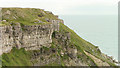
(26, 16)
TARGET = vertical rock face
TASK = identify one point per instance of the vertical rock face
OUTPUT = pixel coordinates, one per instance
(56, 24)
(0, 41)
(7, 40)
(36, 36)
(28, 37)
(32, 29)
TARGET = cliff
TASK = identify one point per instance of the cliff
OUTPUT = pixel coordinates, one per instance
(40, 38)
(20, 35)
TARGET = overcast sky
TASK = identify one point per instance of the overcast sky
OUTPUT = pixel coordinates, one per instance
(68, 7)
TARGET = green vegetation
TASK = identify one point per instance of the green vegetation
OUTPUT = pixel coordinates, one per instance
(17, 58)
(82, 45)
(27, 16)
(2, 23)
(20, 57)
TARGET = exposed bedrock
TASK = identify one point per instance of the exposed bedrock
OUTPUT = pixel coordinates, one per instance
(26, 36)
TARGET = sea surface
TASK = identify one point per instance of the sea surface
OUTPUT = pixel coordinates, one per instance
(100, 30)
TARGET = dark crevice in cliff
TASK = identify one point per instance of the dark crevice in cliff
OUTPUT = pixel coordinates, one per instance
(38, 38)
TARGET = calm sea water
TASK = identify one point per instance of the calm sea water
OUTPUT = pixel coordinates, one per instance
(100, 30)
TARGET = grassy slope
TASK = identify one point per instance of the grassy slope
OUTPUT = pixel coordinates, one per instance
(16, 58)
(27, 17)
(22, 58)
(84, 45)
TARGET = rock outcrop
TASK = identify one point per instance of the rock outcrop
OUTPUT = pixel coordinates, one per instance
(40, 38)
(28, 37)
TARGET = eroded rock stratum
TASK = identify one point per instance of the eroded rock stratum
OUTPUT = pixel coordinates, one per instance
(30, 37)
(34, 37)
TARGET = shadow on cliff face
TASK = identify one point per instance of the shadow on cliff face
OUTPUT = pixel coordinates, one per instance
(66, 50)
(66, 47)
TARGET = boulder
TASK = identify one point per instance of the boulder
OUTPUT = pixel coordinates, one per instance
(8, 12)
(4, 20)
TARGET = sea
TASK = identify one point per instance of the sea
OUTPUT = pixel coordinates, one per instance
(100, 30)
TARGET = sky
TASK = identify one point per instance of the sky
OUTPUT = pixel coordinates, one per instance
(68, 7)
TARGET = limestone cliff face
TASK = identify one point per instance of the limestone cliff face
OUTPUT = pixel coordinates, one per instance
(28, 37)
(46, 41)
(15, 33)
(36, 36)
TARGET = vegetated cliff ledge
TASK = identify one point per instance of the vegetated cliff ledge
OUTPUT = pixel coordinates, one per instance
(21, 35)
(34, 37)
